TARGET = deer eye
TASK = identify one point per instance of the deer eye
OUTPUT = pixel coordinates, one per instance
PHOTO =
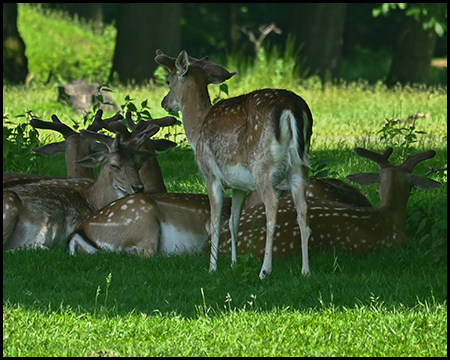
(114, 167)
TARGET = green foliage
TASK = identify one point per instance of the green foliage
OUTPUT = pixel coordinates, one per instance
(406, 133)
(373, 305)
(433, 16)
(271, 67)
(18, 141)
(319, 168)
(428, 224)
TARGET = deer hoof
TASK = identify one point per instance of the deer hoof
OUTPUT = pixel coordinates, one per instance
(263, 274)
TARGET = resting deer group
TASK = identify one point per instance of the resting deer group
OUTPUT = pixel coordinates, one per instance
(44, 213)
(336, 225)
(74, 146)
(244, 143)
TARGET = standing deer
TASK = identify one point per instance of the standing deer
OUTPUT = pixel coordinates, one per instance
(246, 143)
(44, 213)
(341, 226)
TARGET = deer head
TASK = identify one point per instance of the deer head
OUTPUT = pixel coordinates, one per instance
(74, 145)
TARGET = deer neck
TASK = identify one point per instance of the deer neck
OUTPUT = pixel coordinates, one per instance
(150, 173)
(194, 105)
(394, 199)
(101, 192)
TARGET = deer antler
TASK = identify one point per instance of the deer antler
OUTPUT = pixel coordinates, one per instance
(56, 125)
(411, 162)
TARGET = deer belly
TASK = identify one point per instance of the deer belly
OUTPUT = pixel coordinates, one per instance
(238, 177)
(178, 241)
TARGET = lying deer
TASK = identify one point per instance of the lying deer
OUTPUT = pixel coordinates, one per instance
(341, 226)
(77, 147)
(171, 223)
(74, 146)
(45, 213)
(246, 143)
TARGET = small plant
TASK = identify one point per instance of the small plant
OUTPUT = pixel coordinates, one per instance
(18, 141)
(89, 115)
(319, 168)
(404, 130)
(108, 283)
(142, 114)
(222, 88)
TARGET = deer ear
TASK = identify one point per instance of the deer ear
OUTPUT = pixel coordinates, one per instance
(163, 144)
(182, 64)
(92, 160)
(51, 149)
(217, 74)
(365, 178)
(423, 183)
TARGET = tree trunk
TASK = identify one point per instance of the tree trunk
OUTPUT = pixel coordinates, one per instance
(141, 30)
(15, 63)
(319, 27)
(412, 56)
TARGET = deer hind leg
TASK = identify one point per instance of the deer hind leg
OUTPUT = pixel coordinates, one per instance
(268, 196)
(215, 194)
(237, 201)
(298, 184)
(80, 242)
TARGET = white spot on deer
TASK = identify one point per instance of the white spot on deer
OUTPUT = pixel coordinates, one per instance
(131, 201)
(123, 207)
(111, 214)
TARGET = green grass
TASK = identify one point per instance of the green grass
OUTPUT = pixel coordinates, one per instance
(326, 332)
(388, 304)
(392, 303)
(53, 58)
